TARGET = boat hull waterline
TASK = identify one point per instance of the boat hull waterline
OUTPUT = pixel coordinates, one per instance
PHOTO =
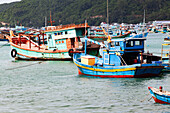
(120, 71)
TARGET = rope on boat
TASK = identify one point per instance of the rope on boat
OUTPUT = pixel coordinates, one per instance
(23, 66)
(149, 99)
(146, 98)
(4, 45)
(123, 60)
(32, 41)
(96, 42)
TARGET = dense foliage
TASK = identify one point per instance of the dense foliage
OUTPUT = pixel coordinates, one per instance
(4, 7)
(33, 12)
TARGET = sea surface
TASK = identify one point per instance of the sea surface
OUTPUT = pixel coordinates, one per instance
(55, 87)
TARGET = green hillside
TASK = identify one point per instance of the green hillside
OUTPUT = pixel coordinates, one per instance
(33, 12)
(4, 7)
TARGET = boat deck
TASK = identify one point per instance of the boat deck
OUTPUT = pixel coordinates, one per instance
(161, 93)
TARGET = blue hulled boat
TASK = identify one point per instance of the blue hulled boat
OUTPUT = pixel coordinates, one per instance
(122, 58)
(162, 97)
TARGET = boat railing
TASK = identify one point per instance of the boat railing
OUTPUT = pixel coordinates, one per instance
(32, 42)
(66, 26)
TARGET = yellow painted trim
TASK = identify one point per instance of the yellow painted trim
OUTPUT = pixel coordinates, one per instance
(114, 51)
(165, 44)
(115, 70)
(106, 70)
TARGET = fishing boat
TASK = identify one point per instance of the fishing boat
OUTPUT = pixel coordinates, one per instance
(3, 34)
(98, 35)
(122, 58)
(3, 40)
(159, 96)
(30, 44)
(167, 39)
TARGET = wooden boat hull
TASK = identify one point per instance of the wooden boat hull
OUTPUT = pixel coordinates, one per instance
(159, 98)
(131, 71)
(29, 54)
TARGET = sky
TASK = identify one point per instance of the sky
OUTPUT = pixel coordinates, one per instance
(8, 1)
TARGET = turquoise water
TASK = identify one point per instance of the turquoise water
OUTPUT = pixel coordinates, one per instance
(55, 87)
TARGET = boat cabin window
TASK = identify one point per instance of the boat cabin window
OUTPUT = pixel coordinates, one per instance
(66, 32)
(137, 43)
(117, 43)
(129, 44)
(49, 36)
(112, 44)
(55, 34)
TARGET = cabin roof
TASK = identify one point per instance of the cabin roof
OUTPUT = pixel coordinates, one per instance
(128, 38)
(65, 27)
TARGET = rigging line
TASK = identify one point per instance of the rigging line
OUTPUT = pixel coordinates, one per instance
(145, 97)
(115, 48)
(123, 60)
(149, 99)
(24, 66)
(4, 45)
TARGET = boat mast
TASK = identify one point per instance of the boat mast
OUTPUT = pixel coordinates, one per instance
(109, 38)
(107, 17)
(144, 20)
(51, 20)
(45, 21)
(85, 49)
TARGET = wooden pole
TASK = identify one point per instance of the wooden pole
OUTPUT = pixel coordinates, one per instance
(51, 19)
(30, 42)
(39, 42)
(141, 58)
(20, 40)
(107, 15)
(43, 37)
(85, 47)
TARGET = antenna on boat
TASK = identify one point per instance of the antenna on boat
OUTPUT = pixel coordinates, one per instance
(109, 38)
(45, 21)
(51, 20)
(107, 17)
(85, 49)
(144, 20)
